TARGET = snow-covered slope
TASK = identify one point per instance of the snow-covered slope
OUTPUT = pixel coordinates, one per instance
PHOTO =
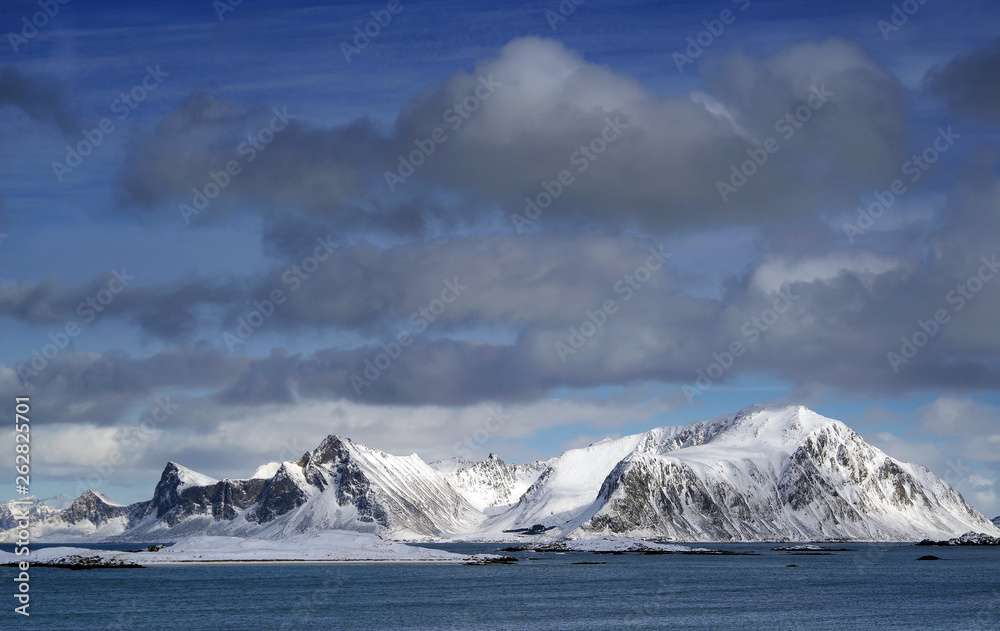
(328, 546)
(765, 473)
(35, 509)
(760, 474)
(491, 485)
(91, 517)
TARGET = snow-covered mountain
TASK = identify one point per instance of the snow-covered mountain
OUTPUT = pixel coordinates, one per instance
(760, 474)
(765, 473)
(491, 485)
(36, 509)
(340, 485)
(996, 521)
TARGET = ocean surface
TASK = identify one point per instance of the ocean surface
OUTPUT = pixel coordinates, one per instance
(878, 587)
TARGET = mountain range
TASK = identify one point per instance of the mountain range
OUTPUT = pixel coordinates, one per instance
(37, 509)
(761, 474)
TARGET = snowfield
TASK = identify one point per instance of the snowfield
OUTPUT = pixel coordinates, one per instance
(323, 547)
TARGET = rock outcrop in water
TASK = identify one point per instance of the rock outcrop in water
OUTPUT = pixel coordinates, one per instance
(784, 474)
(968, 539)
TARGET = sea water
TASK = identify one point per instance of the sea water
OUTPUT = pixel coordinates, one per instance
(878, 587)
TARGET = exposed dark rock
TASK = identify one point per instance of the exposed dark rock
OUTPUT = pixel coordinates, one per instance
(968, 539)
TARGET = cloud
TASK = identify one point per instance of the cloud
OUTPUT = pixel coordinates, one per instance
(521, 118)
(167, 311)
(281, 162)
(959, 416)
(43, 101)
(107, 388)
(773, 272)
(970, 84)
(664, 167)
(498, 318)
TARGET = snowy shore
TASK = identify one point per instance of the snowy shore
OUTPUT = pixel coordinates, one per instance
(324, 547)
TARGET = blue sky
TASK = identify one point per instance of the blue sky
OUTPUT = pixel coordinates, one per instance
(211, 82)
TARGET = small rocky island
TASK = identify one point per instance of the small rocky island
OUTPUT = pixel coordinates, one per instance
(968, 539)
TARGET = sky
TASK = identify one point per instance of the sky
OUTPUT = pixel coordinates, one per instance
(229, 229)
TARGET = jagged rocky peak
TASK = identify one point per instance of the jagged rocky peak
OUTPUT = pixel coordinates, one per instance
(183, 493)
(11, 513)
(492, 461)
(174, 478)
(175, 475)
(283, 492)
(91, 498)
(92, 506)
(332, 450)
(490, 483)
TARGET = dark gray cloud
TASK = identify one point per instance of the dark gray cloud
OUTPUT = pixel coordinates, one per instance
(528, 114)
(103, 388)
(838, 332)
(44, 101)
(970, 84)
(847, 311)
(851, 308)
(502, 280)
(168, 311)
(282, 162)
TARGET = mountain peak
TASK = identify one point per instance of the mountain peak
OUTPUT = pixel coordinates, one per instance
(332, 448)
(786, 418)
(184, 476)
(91, 497)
